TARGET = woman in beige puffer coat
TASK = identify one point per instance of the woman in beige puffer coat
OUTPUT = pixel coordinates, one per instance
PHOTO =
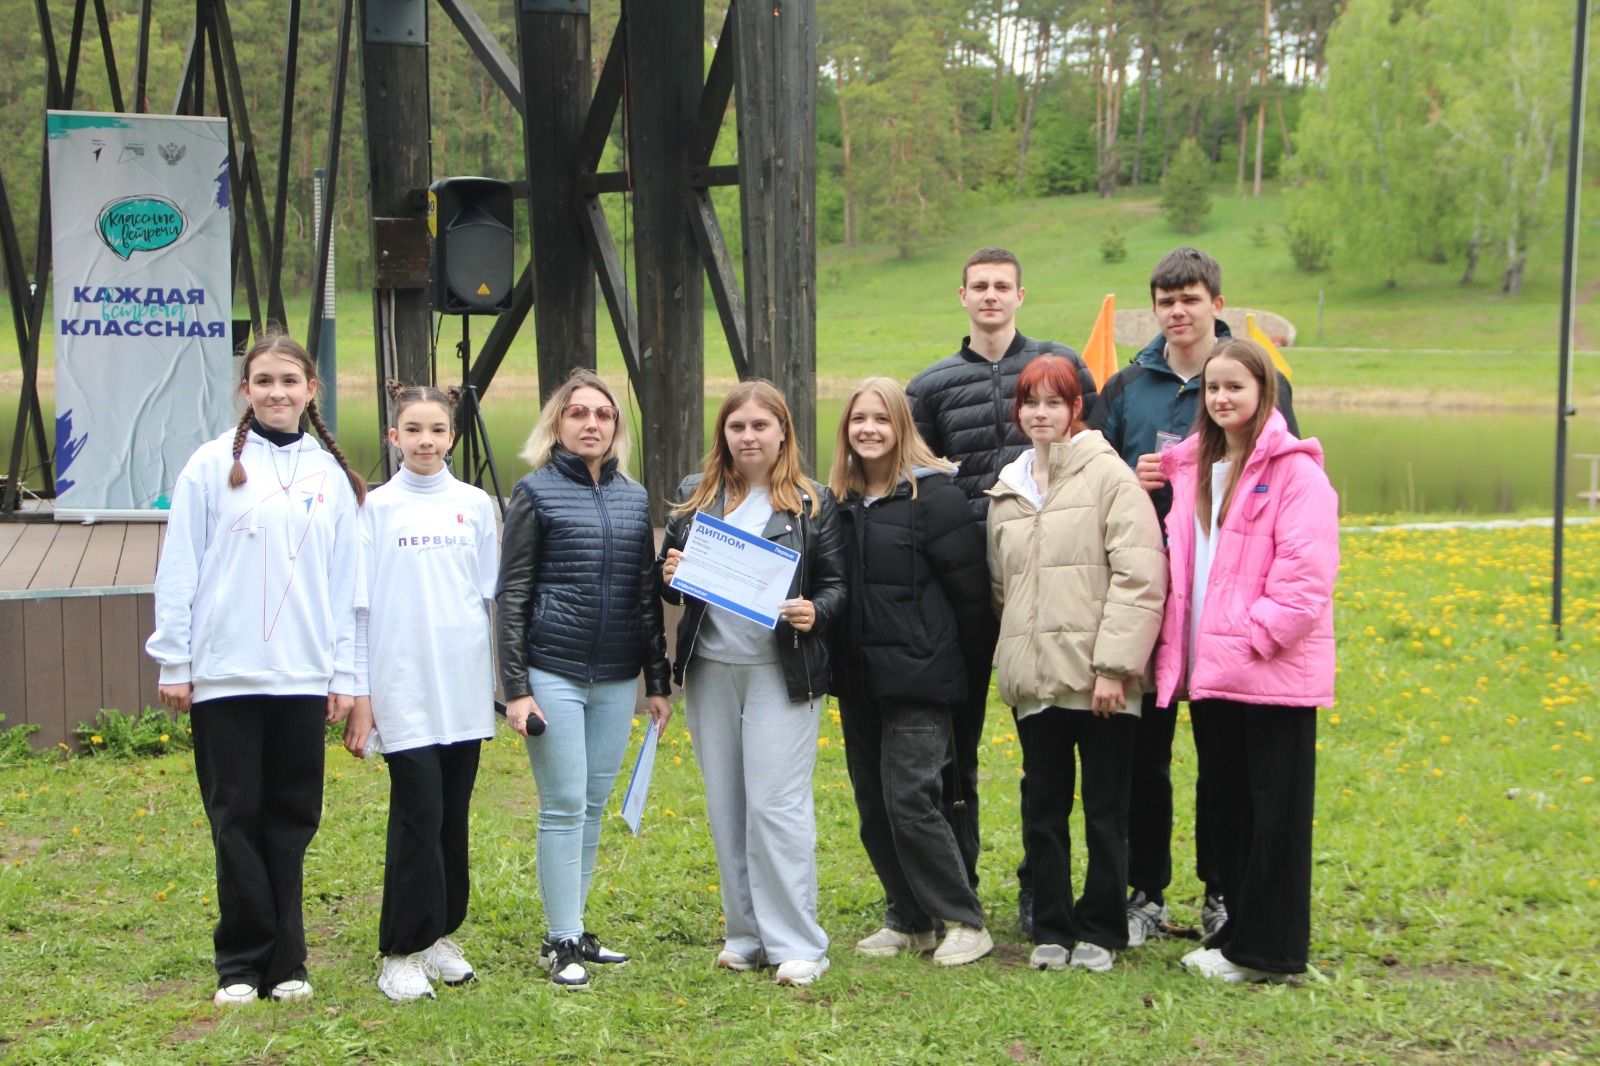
(1079, 579)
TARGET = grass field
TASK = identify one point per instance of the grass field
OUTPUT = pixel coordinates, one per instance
(879, 314)
(1456, 910)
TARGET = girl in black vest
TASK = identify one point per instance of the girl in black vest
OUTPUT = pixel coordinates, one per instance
(919, 593)
(578, 617)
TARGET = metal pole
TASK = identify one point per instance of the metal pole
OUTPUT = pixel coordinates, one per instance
(1564, 408)
(327, 341)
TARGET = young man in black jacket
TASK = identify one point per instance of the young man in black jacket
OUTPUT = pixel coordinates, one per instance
(1146, 407)
(962, 406)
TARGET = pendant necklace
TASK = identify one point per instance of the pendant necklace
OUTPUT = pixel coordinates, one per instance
(294, 470)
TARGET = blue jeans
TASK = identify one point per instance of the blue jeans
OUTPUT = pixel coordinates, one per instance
(574, 762)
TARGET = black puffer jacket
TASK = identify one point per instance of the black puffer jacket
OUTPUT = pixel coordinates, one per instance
(577, 580)
(962, 406)
(819, 578)
(919, 596)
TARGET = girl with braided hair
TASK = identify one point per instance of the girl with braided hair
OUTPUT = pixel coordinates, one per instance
(430, 558)
(255, 635)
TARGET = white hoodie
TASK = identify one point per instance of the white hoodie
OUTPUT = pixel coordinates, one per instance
(430, 560)
(255, 594)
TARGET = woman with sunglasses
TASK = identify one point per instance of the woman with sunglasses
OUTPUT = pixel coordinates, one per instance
(578, 618)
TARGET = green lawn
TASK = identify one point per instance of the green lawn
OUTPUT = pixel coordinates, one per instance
(879, 314)
(1455, 918)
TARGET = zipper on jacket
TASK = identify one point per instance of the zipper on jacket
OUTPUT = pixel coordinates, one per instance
(995, 381)
(605, 577)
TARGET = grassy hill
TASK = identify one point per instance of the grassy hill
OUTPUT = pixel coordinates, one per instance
(878, 313)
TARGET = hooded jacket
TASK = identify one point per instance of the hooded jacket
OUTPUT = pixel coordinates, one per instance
(918, 595)
(1146, 397)
(1078, 585)
(819, 578)
(1266, 629)
(962, 407)
(577, 590)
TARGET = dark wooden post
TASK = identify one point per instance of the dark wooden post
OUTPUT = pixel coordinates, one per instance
(777, 106)
(553, 50)
(394, 83)
(666, 55)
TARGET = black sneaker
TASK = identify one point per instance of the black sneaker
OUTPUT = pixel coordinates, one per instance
(566, 968)
(594, 951)
(589, 949)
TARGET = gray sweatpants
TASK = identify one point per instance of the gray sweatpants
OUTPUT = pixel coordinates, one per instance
(756, 751)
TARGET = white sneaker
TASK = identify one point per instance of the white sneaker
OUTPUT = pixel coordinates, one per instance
(1048, 957)
(293, 990)
(801, 971)
(887, 943)
(404, 977)
(1190, 957)
(963, 944)
(1092, 957)
(1213, 965)
(732, 960)
(235, 995)
(445, 961)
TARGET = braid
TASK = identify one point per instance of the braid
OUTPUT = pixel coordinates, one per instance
(357, 483)
(236, 476)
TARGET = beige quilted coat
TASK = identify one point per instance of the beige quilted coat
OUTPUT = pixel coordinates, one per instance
(1080, 585)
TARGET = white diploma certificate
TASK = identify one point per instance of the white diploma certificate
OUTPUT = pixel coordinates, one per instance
(735, 570)
(639, 783)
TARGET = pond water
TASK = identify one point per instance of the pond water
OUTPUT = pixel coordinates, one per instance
(1426, 461)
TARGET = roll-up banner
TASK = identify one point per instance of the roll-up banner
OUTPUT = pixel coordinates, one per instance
(143, 302)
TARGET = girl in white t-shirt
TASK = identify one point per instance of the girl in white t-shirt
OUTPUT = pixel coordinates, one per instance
(425, 685)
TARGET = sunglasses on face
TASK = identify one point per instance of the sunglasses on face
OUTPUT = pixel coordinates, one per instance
(580, 412)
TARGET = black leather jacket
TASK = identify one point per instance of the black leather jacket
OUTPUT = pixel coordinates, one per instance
(819, 578)
(577, 590)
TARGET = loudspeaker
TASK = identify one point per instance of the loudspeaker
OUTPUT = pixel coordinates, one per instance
(471, 226)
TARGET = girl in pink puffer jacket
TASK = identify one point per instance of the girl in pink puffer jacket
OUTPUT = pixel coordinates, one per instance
(1247, 638)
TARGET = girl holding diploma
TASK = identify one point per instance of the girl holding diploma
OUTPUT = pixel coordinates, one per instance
(578, 619)
(752, 694)
(1253, 542)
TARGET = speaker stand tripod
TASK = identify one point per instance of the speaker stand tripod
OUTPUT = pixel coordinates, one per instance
(475, 453)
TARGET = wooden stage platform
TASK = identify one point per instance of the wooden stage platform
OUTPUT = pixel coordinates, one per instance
(76, 605)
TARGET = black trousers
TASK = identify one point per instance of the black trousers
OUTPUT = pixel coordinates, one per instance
(960, 775)
(425, 880)
(1150, 811)
(1051, 741)
(1261, 766)
(259, 760)
(895, 755)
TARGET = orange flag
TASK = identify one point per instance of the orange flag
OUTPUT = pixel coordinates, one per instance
(1100, 350)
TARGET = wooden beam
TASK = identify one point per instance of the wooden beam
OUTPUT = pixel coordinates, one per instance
(482, 41)
(666, 45)
(394, 77)
(777, 100)
(553, 50)
(720, 275)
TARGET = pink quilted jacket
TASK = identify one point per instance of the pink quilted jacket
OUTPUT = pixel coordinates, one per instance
(1266, 628)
